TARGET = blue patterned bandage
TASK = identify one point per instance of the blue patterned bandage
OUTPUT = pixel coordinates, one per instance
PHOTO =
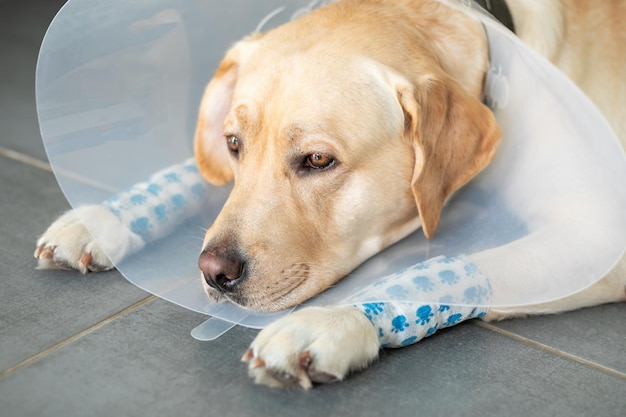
(415, 303)
(152, 209)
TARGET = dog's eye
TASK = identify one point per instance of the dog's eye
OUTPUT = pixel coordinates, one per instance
(319, 161)
(233, 143)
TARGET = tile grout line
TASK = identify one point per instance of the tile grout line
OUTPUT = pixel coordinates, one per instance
(550, 349)
(77, 336)
(45, 166)
(25, 159)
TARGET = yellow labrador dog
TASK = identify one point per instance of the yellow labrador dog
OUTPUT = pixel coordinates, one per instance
(348, 129)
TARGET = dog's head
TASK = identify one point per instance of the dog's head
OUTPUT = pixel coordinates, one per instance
(338, 147)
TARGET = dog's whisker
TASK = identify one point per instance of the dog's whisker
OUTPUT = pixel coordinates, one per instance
(195, 238)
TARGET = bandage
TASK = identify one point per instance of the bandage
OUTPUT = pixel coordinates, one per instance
(461, 291)
(153, 208)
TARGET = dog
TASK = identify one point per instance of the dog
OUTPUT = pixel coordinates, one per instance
(345, 131)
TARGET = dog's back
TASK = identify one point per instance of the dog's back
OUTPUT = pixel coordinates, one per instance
(586, 41)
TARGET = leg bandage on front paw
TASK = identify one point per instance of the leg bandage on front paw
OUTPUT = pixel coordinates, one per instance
(415, 303)
(152, 209)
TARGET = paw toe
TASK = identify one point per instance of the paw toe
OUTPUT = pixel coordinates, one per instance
(316, 375)
(50, 256)
(44, 252)
(278, 375)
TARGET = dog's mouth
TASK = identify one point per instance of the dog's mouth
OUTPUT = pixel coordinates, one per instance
(220, 295)
(215, 295)
(254, 303)
(288, 290)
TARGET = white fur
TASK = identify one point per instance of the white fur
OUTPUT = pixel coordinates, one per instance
(336, 341)
(69, 244)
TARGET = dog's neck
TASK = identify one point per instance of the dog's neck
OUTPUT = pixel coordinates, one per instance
(500, 10)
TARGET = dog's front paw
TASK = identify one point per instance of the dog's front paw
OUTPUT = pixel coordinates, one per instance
(315, 344)
(68, 244)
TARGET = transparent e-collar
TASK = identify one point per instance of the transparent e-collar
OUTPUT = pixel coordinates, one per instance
(118, 86)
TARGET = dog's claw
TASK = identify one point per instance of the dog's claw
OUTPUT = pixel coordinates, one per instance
(44, 252)
(257, 363)
(86, 259)
(48, 259)
(275, 376)
(302, 376)
(247, 356)
(306, 359)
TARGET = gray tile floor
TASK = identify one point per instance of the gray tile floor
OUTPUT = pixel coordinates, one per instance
(73, 345)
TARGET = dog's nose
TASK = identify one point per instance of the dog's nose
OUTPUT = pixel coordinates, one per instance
(221, 270)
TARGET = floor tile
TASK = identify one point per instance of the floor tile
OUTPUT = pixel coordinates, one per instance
(145, 363)
(21, 31)
(40, 308)
(597, 334)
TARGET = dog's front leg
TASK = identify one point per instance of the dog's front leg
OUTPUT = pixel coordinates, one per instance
(96, 237)
(324, 344)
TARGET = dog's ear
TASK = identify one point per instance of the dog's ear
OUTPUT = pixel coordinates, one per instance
(211, 152)
(454, 136)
